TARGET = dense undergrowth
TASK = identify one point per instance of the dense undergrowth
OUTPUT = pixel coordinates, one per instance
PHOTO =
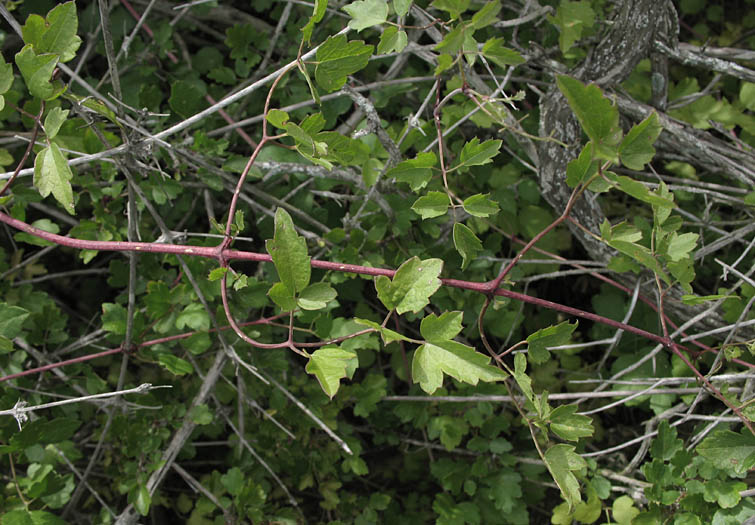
(377, 262)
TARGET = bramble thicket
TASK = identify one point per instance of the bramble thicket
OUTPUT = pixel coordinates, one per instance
(451, 261)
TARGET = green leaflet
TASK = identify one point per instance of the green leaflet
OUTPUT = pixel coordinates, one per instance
(289, 252)
(337, 58)
(562, 461)
(317, 14)
(598, 117)
(416, 172)
(637, 149)
(466, 243)
(434, 204)
(480, 205)
(412, 285)
(462, 362)
(730, 450)
(571, 19)
(367, 13)
(331, 364)
(53, 175)
(475, 154)
(55, 34)
(538, 343)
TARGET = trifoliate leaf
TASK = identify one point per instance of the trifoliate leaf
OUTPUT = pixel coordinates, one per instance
(466, 243)
(412, 285)
(367, 13)
(434, 204)
(461, 362)
(329, 365)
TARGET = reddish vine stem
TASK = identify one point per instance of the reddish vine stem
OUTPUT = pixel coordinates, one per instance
(27, 152)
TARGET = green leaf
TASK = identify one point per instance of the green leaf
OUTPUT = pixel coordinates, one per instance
(392, 40)
(637, 149)
(55, 118)
(480, 205)
(457, 360)
(681, 245)
(694, 300)
(402, 6)
(538, 343)
(201, 415)
(521, 377)
(216, 274)
(53, 175)
(141, 499)
(277, 118)
(475, 154)
(367, 13)
(337, 58)
(571, 19)
(6, 79)
(233, 481)
(43, 432)
(623, 510)
(387, 334)
(567, 424)
(666, 444)
(434, 204)
(43, 224)
(11, 320)
(581, 169)
(598, 117)
(451, 430)
(412, 285)
(729, 450)
(747, 95)
(453, 7)
(487, 15)
(416, 172)
(37, 72)
(329, 365)
(289, 252)
(284, 297)
(639, 191)
(466, 243)
(56, 34)
(316, 296)
(194, 316)
(317, 14)
(561, 461)
(175, 365)
(443, 328)
(494, 50)
(187, 97)
(114, 318)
